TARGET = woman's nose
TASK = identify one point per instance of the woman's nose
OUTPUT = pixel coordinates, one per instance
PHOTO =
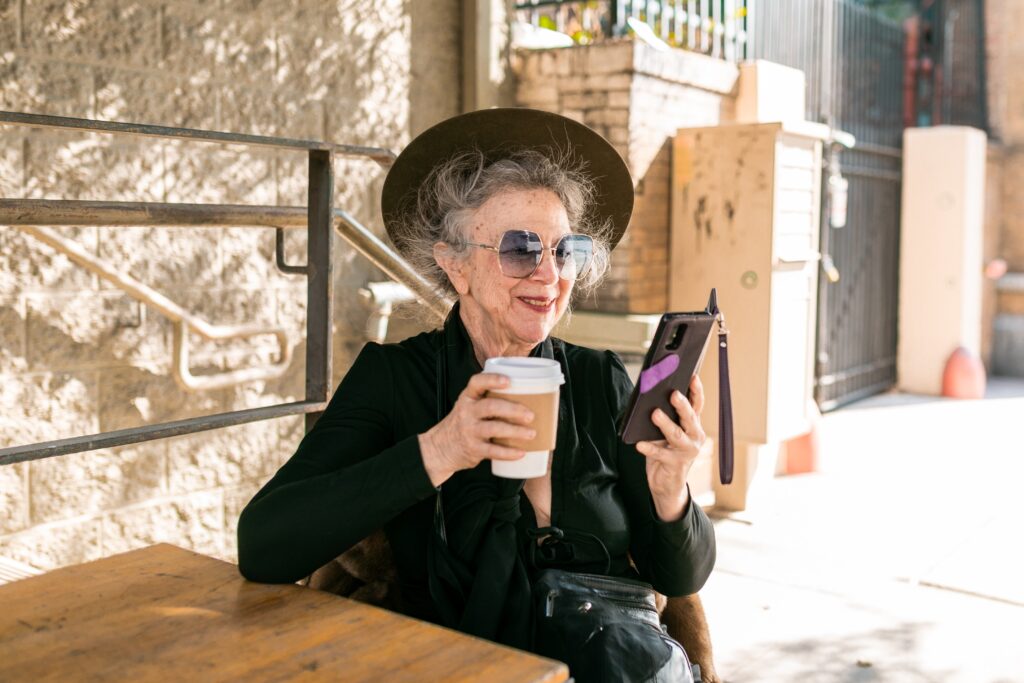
(547, 271)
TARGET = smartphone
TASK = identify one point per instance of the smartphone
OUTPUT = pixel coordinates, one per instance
(674, 357)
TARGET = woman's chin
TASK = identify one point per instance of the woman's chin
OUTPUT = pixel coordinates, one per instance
(536, 331)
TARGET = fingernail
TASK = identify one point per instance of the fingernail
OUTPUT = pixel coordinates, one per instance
(533, 433)
(678, 394)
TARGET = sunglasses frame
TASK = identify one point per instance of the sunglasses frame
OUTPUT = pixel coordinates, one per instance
(543, 249)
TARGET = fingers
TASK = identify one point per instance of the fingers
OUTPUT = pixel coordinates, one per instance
(672, 432)
(492, 417)
(653, 451)
(499, 429)
(678, 435)
(688, 419)
(697, 395)
(687, 434)
(498, 452)
(662, 451)
(503, 409)
(482, 382)
(469, 431)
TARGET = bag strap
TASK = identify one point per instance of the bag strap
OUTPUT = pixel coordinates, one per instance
(441, 370)
(725, 434)
(553, 536)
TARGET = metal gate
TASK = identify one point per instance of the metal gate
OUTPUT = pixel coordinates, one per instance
(853, 61)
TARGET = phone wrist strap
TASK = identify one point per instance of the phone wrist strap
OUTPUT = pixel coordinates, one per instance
(725, 435)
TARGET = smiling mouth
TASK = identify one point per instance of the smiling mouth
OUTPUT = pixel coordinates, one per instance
(541, 305)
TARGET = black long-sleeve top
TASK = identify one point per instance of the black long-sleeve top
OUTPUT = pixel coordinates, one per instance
(360, 468)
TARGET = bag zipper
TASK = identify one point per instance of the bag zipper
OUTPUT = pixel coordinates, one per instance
(628, 596)
(612, 586)
(631, 606)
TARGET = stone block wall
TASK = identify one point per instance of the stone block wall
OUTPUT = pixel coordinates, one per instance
(77, 355)
(636, 97)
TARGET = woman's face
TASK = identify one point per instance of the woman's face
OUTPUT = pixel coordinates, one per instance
(515, 311)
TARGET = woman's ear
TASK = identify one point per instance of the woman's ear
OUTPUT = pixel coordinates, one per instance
(452, 265)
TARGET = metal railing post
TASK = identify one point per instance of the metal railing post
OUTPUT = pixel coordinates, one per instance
(320, 282)
(981, 121)
(319, 218)
(617, 10)
(691, 25)
(705, 23)
(749, 30)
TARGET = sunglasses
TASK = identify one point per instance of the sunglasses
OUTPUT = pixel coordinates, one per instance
(520, 253)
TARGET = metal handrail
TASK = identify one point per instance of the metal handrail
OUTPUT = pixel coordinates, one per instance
(182, 319)
(320, 218)
(74, 212)
(383, 157)
(393, 265)
(66, 212)
(162, 430)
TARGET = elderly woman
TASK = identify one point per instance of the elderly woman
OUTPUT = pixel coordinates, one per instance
(513, 211)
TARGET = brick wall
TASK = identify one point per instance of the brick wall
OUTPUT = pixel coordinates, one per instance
(76, 355)
(1004, 21)
(637, 97)
(991, 245)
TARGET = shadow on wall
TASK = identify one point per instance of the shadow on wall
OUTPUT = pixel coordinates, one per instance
(186, 490)
(306, 69)
(104, 389)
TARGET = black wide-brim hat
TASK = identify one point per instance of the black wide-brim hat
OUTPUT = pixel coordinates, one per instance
(497, 133)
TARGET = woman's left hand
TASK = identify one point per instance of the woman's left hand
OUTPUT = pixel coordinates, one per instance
(669, 460)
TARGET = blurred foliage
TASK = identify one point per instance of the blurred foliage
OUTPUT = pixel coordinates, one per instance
(583, 37)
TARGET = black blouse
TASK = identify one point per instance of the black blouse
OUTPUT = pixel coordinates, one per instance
(360, 468)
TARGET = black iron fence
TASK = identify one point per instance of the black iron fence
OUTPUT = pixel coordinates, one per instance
(946, 56)
(719, 28)
(853, 61)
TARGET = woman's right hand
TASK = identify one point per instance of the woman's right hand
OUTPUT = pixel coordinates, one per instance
(463, 438)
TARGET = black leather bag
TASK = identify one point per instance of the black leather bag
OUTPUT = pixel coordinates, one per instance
(607, 630)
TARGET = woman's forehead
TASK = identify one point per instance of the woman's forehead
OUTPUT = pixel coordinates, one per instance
(537, 209)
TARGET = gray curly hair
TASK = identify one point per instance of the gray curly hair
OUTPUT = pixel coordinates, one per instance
(459, 186)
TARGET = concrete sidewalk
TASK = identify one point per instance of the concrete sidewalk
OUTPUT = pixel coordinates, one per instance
(902, 559)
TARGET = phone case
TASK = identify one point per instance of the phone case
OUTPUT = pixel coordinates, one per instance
(674, 357)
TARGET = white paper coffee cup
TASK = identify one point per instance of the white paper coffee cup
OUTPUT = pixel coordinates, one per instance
(533, 382)
(532, 465)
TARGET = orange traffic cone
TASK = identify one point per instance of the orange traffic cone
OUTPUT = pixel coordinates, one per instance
(964, 376)
(802, 451)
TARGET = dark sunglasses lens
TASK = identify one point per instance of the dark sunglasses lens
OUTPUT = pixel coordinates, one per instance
(519, 253)
(573, 255)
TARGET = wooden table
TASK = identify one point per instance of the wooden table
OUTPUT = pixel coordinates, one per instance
(167, 614)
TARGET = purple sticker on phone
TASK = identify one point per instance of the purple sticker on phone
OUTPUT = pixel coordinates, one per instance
(653, 375)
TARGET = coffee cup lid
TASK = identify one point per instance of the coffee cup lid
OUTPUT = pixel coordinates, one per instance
(525, 370)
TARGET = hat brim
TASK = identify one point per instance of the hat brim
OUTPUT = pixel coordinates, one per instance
(495, 133)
